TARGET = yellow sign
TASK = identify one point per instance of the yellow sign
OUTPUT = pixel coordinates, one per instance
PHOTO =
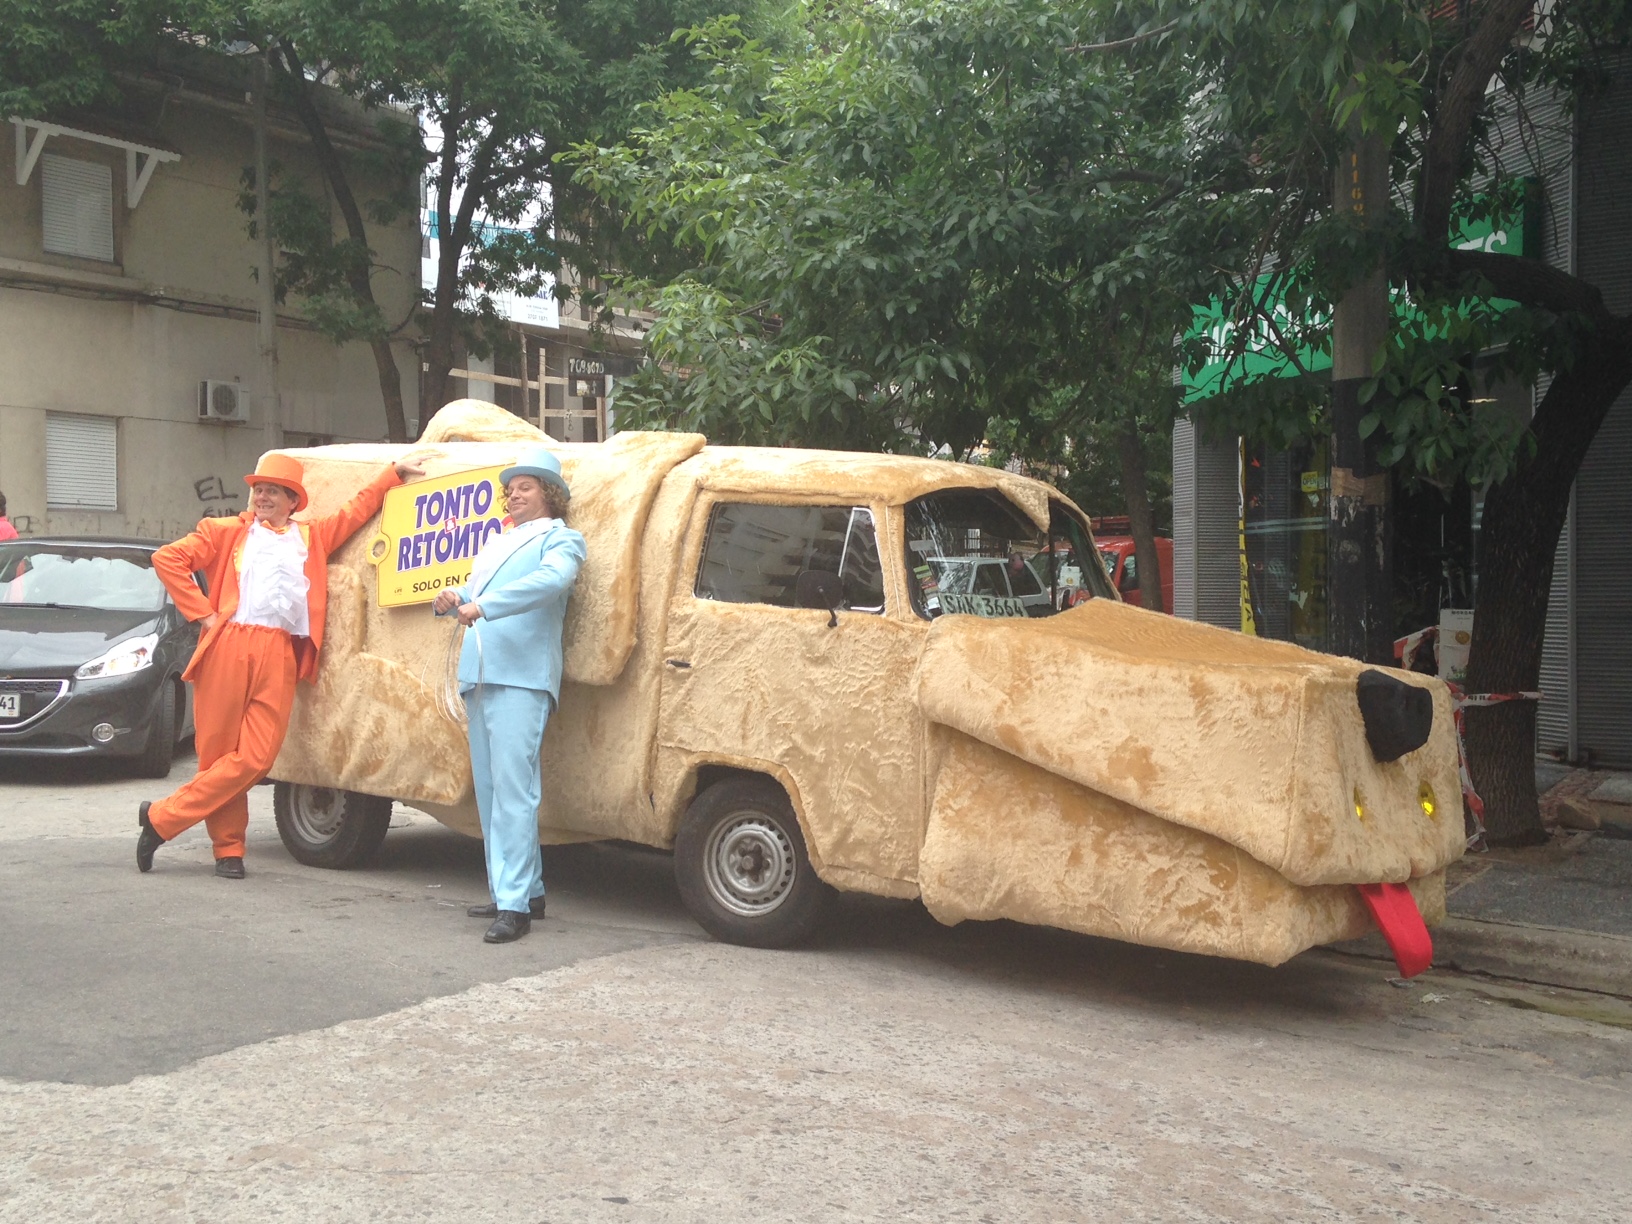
(431, 531)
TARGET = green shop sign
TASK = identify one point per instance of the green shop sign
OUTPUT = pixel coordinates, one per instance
(1262, 356)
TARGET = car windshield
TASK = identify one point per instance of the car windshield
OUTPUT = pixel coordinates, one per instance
(976, 552)
(107, 577)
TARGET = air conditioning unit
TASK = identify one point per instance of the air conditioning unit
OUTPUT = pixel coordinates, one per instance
(222, 402)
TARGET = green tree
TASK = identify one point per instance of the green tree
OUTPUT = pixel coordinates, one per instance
(1285, 80)
(499, 87)
(940, 226)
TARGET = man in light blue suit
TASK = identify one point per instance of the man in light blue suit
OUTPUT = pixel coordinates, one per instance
(513, 609)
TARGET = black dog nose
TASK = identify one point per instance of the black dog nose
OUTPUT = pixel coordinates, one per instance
(1398, 716)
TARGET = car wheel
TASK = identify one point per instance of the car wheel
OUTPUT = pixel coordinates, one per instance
(160, 749)
(324, 827)
(741, 865)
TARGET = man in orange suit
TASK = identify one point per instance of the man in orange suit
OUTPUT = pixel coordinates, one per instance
(267, 579)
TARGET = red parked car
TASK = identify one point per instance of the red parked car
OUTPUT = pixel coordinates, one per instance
(1123, 566)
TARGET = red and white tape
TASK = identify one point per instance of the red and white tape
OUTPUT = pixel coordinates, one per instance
(1461, 702)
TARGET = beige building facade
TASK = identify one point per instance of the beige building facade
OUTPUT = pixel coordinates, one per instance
(128, 306)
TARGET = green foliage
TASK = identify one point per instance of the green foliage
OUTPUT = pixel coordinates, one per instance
(1284, 78)
(936, 226)
(502, 86)
(60, 55)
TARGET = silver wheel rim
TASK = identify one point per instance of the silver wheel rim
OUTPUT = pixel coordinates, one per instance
(749, 864)
(316, 812)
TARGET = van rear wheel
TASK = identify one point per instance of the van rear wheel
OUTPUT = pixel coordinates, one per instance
(742, 868)
(324, 827)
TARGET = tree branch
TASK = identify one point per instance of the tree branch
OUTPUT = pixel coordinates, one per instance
(1137, 176)
(1458, 105)
(1119, 43)
(1530, 282)
(329, 161)
(481, 166)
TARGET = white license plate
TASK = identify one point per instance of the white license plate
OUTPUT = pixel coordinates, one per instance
(11, 705)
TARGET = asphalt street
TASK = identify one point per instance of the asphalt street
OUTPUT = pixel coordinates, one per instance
(323, 1045)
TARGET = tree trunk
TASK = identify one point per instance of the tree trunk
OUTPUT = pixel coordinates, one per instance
(328, 160)
(453, 234)
(439, 343)
(1359, 536)
(385, 364)
(1141, 518)
(1523, 517)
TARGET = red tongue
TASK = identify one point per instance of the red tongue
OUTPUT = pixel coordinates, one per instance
(1395, 911)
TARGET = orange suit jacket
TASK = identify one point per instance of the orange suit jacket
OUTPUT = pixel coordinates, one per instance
(213, 549)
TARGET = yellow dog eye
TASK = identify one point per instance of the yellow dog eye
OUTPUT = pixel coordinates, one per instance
(1430, 806)
(1359, 805)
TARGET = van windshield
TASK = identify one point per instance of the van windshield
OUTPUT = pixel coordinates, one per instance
(975, 552)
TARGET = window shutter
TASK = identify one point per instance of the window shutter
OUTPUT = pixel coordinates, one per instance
(81, 462)
(76, 207)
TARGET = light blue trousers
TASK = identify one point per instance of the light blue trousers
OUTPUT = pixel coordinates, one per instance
(506, 731)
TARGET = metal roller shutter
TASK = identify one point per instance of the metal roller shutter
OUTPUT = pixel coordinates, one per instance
(1603, 547)
(1547, 147)
(76, 207)
(1556, 714)
(1206, 548)
(81, 462)
(1184, 519)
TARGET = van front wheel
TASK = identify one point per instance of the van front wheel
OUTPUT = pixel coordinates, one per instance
(741, 865)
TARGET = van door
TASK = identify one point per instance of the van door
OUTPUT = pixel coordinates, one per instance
(821, 700)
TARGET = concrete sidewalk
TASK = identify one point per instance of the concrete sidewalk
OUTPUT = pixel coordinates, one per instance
(1556, 915)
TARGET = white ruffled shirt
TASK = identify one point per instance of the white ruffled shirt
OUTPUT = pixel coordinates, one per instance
(272, 582)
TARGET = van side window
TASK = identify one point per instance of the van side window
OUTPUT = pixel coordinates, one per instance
(755, 553)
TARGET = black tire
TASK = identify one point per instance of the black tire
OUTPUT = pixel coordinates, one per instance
(323, 827)
(160, 748)
(741, 865)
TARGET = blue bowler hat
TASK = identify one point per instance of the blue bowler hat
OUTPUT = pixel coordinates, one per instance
(537, 462)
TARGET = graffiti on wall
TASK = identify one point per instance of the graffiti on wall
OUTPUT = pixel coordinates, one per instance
(217, 498)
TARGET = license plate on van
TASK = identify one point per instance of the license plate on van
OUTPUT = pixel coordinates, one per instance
(11, 705)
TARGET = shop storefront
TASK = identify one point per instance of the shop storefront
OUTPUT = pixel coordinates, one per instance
(1250, 524)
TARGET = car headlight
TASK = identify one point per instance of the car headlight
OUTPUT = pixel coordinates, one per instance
(127, 657)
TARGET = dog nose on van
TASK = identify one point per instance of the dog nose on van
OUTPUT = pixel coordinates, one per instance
(1398, 716)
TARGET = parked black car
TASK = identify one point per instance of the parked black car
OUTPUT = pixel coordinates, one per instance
(91, 653)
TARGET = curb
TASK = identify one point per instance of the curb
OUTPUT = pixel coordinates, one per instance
(1544, 956)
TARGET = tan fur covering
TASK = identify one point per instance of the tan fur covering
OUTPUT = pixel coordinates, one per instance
(1009, 840)
(1258, 743)
(1107, 770)
(381, 670)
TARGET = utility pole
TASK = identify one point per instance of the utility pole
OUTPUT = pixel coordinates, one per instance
(267, 323)
(1359, 536)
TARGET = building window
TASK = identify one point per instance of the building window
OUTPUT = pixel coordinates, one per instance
(77, 207)
(81, 462)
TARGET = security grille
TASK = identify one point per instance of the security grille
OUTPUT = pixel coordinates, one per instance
(81, 462)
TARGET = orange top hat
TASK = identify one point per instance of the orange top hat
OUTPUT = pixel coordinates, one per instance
(280, 470)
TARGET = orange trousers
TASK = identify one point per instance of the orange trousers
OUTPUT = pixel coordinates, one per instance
(243, 694)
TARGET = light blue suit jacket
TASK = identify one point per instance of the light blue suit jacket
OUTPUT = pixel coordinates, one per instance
(517, 641)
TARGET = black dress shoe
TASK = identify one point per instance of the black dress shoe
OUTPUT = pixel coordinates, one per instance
(147, 840)
(230, 867)
(535, 909)
(510, 925)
